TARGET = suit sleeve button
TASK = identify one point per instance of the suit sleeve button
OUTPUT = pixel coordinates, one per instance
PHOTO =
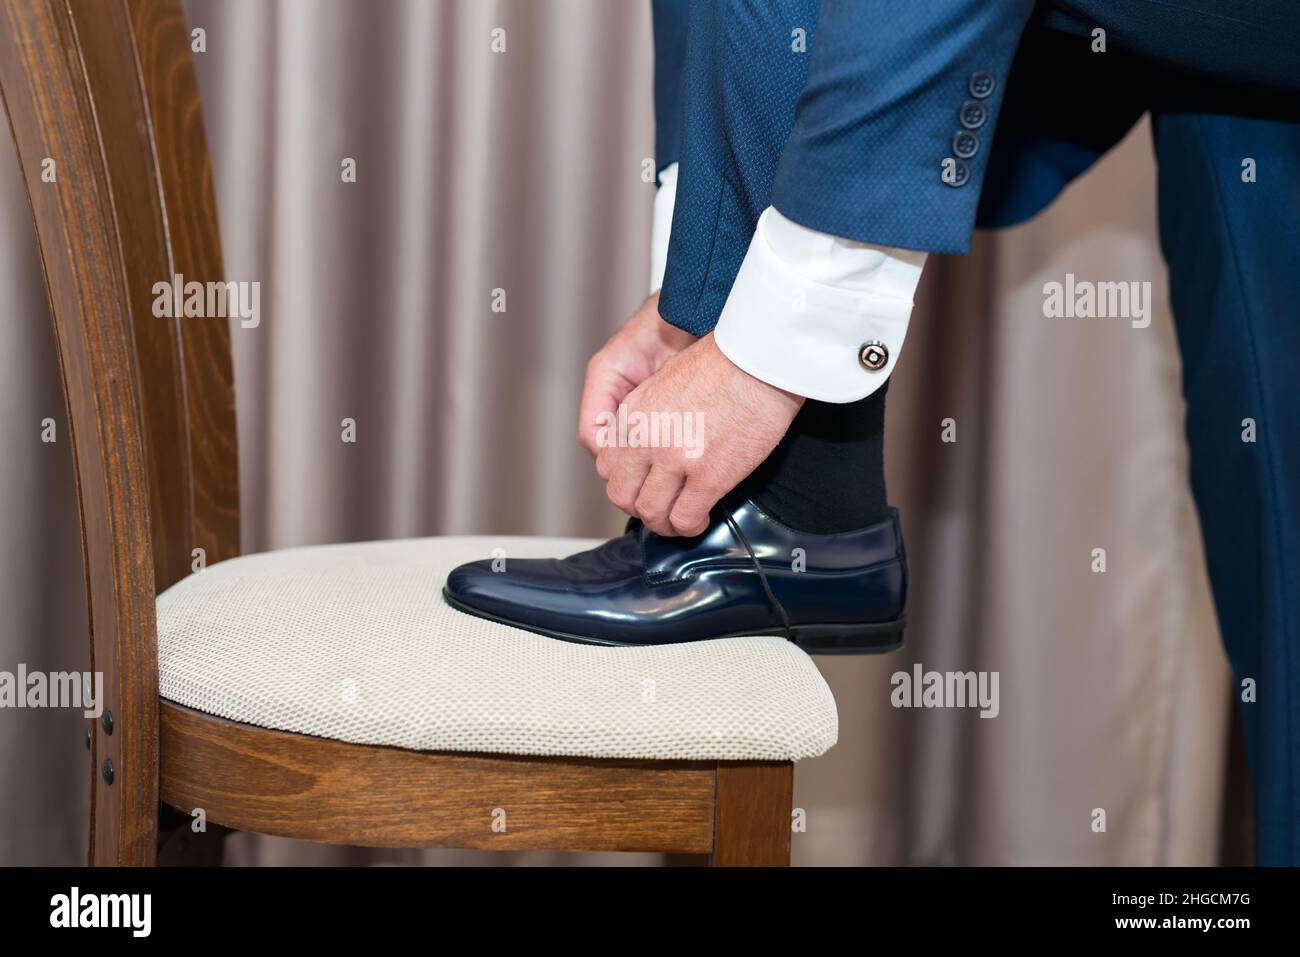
(965, 144)
(972, 114)
(982, 84)
(954, 172)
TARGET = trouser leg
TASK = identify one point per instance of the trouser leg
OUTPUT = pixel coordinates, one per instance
(1230, 228)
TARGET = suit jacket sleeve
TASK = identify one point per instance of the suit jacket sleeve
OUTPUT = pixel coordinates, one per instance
(668, 21)
(874, 153)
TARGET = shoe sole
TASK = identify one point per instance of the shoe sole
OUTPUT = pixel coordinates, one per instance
(872, 638)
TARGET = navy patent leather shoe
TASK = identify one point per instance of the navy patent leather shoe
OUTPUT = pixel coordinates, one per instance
(746, 575)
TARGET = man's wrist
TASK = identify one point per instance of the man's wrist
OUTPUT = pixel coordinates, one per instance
(657, 337)
(795, 400)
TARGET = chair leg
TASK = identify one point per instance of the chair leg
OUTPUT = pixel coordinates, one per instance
(752, 807)
(179, 845)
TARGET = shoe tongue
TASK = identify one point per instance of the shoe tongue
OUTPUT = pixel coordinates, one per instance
(633, 525)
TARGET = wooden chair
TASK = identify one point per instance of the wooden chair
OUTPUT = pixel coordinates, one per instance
(103, 104)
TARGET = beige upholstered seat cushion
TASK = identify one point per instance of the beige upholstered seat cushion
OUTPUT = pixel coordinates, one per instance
(354, 642)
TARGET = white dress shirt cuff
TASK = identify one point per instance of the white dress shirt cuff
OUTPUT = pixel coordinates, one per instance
(662, 225)
(805, 303)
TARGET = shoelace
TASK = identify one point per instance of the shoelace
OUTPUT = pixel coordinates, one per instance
(762, 577)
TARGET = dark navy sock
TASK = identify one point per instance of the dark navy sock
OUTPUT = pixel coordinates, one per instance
(828, 473)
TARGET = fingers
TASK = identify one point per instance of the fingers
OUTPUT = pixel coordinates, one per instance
(625, 480)
(655, 500)
(689, 515)
(663, 496)
(605, 462)
(603, 390)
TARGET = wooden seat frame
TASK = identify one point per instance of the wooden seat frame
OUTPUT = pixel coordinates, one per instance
(103, 105)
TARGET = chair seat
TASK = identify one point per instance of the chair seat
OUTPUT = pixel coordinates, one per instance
(354, 642)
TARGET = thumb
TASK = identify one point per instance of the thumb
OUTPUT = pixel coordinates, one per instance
(602, 394)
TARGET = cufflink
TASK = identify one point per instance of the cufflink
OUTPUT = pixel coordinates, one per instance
(873, 355)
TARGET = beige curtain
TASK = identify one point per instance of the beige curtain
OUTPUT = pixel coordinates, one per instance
(520, 172)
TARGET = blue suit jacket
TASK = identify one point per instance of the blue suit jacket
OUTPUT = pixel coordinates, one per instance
(874, 120)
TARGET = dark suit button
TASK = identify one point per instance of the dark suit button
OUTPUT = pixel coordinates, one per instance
(965, 144)
(954, 172)
(982, 84)
(973, 114)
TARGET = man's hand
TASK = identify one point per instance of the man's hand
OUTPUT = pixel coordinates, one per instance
(730, 423)
(636, 352)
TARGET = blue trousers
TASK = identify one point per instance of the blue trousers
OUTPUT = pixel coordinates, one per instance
(1233, 251)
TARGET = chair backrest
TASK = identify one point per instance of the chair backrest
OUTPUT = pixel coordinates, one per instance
(103, 104)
